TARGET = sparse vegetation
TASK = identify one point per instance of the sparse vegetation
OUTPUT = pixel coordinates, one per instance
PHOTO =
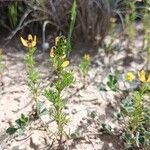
(110, 108)
(64, 79)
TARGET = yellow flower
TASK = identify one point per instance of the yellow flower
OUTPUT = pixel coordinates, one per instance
(143, 77)
(30, 42)
(129, 76)
(65, 64)
(52, 51)
(87, 57)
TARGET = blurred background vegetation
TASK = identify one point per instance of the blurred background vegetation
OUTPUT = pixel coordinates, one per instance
(92, 21)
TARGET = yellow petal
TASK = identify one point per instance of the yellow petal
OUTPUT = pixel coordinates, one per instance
(148, 80)
(63, 57)
(24, 42)
(35, 39)
(65, 64)
(141, 76)
(142, 73)
(33, 44)
(52, 52)
(30, 37)
(56, 40)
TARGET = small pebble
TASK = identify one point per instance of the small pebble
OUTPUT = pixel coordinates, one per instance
(74, 111)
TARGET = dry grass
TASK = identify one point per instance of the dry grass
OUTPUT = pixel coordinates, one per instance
(92, 18)
(92, 21)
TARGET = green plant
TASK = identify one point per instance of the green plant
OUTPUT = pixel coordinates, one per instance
(112, 32)
(72, 24)
(64, 79)
(33, 76)
(13, 14)
(129, 20)
(85, 66)
(112, 83)
(146, 23)
(148, 49)
(134, 113)
(106, 128)
(33, 81)
(20, 125)
(113, 80)
(136, 133)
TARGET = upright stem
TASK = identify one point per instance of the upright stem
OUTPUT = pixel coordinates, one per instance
(59, 114)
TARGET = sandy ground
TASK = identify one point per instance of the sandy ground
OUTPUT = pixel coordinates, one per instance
(15, 99)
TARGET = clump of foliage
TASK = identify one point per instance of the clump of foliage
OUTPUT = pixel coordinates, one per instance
(11, 13)
(133, 111)
(135, 114)
(20, 125)
(111, 84)
(63, 79)
(129, 20)
(85, 66)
